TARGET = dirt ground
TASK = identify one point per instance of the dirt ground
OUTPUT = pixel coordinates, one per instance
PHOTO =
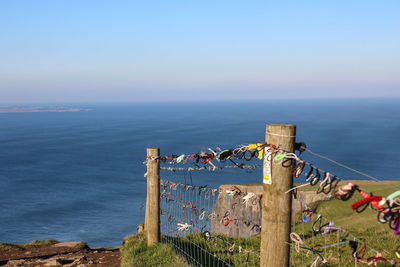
(68, 254)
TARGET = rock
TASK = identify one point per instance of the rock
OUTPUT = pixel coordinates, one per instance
(68, 244)
(80, 259)
(241, 213)
(53, 262)
(15, 263)
(234, 208)
(306, 197)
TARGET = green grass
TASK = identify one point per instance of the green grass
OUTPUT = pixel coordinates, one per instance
(362, 225)
(134, 252)
(218, 251)
(193, 246)
(34, 243)
(83, 245)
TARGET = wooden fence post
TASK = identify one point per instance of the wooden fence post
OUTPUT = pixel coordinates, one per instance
(152, 219)
(277, 205)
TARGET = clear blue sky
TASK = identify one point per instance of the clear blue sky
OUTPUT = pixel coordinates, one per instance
(72, 51)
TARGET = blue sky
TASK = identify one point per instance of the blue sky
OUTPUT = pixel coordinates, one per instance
(91, 51)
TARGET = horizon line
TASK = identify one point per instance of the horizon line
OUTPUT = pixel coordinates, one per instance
(56, 102)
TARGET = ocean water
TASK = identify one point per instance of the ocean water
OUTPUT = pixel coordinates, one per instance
(79, 175)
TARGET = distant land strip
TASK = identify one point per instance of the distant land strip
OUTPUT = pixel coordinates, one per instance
(40, 109)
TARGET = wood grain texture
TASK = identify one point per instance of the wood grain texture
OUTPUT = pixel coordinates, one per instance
(276, 207)
(152, 219)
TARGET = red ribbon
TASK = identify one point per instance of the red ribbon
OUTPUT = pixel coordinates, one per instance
(227, 222)
(374, 200)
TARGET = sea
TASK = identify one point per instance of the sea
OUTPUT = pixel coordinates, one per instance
(79, 176)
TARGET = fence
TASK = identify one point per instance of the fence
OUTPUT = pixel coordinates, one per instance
(189, 222)
(223, 226)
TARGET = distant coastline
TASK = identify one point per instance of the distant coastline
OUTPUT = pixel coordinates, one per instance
(18, 109)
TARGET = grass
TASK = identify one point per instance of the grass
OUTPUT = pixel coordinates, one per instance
(83, 245)
(33, 244)
(134, 252)
(362, 225)
(218, 251)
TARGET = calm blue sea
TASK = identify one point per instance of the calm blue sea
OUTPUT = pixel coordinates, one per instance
(79, 175)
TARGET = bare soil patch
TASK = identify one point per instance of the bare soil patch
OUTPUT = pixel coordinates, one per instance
(69, 254)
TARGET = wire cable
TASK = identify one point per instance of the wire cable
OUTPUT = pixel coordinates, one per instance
(351, 169)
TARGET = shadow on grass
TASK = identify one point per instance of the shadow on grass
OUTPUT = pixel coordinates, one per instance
(196, 254)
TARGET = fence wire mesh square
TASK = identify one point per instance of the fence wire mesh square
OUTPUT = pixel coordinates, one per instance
(188, 221)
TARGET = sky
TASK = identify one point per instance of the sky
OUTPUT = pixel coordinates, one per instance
(167, 50)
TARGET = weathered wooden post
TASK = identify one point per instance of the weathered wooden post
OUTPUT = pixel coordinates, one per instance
(277, 205)
(152, 219)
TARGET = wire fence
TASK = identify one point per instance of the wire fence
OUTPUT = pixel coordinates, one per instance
(221, 226)
(202, 225)
(318, 241)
